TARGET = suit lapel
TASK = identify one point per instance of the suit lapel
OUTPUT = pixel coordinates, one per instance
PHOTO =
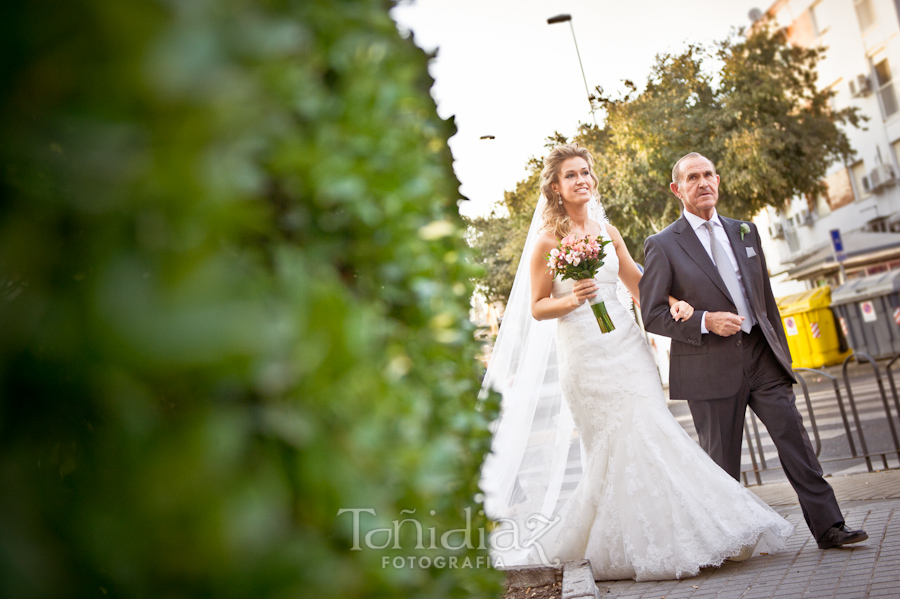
(688, 240)
(732, 229)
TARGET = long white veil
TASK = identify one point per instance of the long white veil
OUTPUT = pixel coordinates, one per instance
(535, 447)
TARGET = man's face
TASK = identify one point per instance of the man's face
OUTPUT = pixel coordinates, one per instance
(698, 188)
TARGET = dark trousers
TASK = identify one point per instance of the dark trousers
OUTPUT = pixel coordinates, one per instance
(769, 393)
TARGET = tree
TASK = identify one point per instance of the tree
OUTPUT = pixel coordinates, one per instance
(751, 105)
(235, 298)
(761, 119)
(499, 238)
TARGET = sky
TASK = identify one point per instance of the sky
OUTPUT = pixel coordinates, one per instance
(501, 70)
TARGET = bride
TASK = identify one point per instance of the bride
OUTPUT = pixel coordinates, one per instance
(585, 409)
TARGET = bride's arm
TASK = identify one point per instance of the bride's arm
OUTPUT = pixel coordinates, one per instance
(680, 309)
(629, 273)
(630, 276)
(544, 307)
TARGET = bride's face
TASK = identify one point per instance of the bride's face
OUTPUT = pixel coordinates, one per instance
(575, 182)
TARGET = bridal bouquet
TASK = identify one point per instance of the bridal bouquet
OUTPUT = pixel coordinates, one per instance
(579, 259)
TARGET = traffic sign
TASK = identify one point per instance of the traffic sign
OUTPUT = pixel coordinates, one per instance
(868, 311)
(790, 326)
(838, 244)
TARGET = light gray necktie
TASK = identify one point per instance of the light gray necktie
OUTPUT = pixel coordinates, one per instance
(726, 271)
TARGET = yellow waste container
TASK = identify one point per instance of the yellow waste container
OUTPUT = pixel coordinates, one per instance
(810, 329)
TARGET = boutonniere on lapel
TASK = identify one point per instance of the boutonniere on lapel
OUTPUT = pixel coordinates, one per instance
(745, 228)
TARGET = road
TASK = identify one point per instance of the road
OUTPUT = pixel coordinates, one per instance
(835, 453)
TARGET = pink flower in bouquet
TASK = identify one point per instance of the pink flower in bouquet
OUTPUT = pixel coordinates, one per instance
(579, 259)
(576, 258)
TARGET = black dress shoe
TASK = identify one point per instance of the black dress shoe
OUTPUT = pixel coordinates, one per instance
(837, 536)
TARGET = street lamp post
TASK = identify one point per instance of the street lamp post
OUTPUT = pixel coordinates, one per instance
(568, 18)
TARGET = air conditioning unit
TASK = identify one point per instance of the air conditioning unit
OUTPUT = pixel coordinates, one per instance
(860, 86)
(777, 230)
(881, 175)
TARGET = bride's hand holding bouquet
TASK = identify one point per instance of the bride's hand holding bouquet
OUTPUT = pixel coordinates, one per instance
(580, 258)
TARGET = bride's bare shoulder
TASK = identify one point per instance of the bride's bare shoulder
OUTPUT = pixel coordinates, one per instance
(547, 239)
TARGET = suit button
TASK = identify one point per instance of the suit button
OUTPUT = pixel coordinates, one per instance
(738, 342)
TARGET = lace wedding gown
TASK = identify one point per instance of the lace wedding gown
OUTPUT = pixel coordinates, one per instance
(650, 505)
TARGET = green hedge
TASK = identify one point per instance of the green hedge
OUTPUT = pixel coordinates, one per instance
(235, 294)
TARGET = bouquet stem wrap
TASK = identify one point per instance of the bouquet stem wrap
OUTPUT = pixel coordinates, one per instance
(603, 319)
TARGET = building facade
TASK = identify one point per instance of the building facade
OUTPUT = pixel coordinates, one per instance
(862, 66)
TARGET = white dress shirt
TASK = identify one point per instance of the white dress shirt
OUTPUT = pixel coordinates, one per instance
(699, 226)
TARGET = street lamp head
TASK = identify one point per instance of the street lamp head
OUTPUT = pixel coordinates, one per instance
(568, 19)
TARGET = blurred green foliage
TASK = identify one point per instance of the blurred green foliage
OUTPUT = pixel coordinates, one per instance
(752, 104)
(235, 296)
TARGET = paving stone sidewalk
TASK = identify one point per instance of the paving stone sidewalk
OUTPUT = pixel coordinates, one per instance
(870, 569)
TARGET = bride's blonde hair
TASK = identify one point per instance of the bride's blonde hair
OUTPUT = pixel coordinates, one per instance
(554, 217)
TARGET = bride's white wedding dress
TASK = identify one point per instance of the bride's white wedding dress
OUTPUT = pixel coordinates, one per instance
(650, 504)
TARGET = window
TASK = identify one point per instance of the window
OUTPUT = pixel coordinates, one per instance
(864, 13)
(833, 90)
(896, 148)
(818, 22)
(822, 205)
(793, 241)
(878, 225)
(885, 88)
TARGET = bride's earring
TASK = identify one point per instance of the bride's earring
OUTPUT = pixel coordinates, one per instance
(559, 195)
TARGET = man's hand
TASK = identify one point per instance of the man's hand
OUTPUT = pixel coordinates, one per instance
(724, 324)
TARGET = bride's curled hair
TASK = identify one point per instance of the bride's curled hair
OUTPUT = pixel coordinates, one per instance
(554, 217)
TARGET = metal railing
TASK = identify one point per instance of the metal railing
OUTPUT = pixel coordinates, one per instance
(853, 432)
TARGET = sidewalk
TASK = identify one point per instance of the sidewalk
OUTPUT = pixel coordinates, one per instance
(870, 569)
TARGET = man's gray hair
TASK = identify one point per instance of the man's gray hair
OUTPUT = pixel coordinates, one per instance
(676, 170)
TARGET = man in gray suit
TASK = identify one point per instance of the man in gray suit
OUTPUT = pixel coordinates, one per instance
(732, 353)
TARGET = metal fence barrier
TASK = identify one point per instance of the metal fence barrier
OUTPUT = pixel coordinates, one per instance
(754, 441)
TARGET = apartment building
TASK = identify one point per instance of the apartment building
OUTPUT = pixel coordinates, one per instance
(862, 65)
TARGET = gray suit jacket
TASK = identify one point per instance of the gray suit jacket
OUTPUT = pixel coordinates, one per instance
(675, 263)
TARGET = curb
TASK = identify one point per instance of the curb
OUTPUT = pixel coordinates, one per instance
(578, 581)
(519, 577)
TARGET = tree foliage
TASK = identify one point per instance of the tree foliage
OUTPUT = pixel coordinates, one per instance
(761, 118)
(752, 105)
(499, 237)
(235, 298)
